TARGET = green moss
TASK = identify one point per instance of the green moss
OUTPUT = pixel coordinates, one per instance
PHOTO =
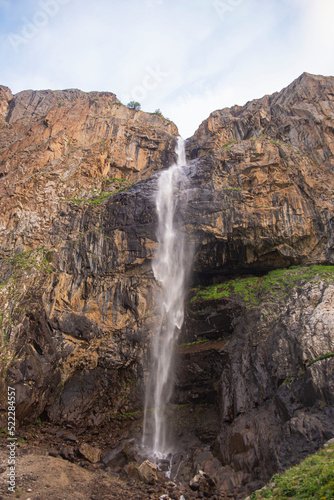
(194, 343)
(312, 478)
(127, 416)
(257, 137)
(327, 355)
(36, 258)
(99, 197)
(275, 285)
(228, 145)
(276, 143)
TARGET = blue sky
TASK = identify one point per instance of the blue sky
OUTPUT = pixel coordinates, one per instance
(186, 57)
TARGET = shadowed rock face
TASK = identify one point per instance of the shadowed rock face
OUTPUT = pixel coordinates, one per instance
(78, 232)
(270, 377)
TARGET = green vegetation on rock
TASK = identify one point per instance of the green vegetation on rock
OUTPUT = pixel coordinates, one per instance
(134, 105)
(188, 344)
(228, 145)
(98, 196)
(312, 478)
(24, 267)
(327, 355)
(274, 285)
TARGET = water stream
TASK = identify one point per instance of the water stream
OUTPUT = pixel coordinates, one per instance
(170, 270)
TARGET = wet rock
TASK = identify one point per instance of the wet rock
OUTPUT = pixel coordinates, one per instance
(91, 453)
(148, 472)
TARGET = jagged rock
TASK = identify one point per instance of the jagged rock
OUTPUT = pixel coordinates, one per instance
(275, 402)
(131, 470)
(77, 290)
(148, 472)
(70, 437)
(202, 482)
(67, 453)
(91, 453)
(115, 457)
(253, 205)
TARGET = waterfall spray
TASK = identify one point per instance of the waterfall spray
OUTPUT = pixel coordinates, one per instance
(169, 268)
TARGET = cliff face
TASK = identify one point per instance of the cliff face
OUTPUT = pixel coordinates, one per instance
(266, 170)
(78, 232)
(65, 280)
(69, 145)
(261, 350)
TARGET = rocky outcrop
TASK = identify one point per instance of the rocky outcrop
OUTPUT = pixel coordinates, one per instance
(300, 115)
(272, 378)
(63, 155)
(265, 197)
(63, 147)
(78, 232)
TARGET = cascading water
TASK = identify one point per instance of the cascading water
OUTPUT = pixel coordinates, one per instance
(170, 270)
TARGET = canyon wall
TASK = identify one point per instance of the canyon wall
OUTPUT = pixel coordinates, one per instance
(78, 233)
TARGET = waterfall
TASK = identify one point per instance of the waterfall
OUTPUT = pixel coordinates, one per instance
(170, 270)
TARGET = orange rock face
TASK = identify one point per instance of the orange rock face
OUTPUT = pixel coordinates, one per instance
(69, 145)
(78, 228)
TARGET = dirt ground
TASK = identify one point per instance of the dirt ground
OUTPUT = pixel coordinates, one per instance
(42, 473)
(41, 477)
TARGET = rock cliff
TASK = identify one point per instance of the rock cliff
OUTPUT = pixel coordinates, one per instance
(78, 232)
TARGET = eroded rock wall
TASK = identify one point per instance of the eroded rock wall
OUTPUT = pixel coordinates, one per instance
(78, 174)
(269, 368)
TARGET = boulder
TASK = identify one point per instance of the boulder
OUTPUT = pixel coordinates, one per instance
(91, 453)
(148, 472)
(203, 483)
(131, 470)
(115, 457)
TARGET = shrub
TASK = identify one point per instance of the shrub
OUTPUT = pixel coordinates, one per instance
(134, 105)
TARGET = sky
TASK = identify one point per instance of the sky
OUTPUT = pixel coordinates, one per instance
(184, 57)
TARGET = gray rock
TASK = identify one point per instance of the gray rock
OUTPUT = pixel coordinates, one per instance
(70, 437)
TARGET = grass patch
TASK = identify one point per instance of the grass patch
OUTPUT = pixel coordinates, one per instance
(228, 145)
(275, 285)
(276, 143)
(187, 344)
(286, 381)
(327, 355)
(127, 416)
(312, 478)
(98, 198)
